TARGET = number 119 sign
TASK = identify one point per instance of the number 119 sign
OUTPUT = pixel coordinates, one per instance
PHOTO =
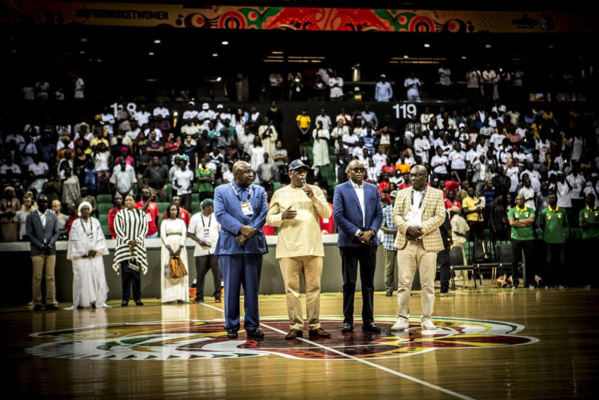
(406, 111)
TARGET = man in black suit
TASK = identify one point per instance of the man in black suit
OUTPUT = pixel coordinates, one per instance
(42, 231)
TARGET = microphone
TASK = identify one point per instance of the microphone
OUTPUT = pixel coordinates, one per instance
(304, 184)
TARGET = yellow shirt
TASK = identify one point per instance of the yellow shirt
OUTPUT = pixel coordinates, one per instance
(469, 203)
(300, 236)
(304, 121)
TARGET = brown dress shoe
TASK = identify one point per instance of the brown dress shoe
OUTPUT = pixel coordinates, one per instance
(294, 333)
(319, 332)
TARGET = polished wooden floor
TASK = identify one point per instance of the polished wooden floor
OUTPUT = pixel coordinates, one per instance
(548, 349)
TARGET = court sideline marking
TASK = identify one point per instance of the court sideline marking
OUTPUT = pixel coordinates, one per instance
(371, 364)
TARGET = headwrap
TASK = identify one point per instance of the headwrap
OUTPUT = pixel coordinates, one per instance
(83, 204)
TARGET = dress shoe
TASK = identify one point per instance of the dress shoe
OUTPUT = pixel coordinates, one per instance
(125, 303)
(372, 328)
(400, 325)
(139, 303)
(37, 307)
(347, 328)
(319, 332)
(232, 334)
(51, 307)
(389, 293)
(294, 333)
(427, 325)
(199, 300)
(217, 300)
(255, 334)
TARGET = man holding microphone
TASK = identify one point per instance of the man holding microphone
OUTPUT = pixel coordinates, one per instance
(295, 209)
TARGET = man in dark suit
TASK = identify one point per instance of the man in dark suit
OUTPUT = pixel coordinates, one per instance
(358, 214)
(42, 231)
(240, 208)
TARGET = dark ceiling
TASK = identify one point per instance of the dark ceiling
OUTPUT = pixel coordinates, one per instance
(130, 56)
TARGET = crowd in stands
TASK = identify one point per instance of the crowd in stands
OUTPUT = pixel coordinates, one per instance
(482, 155)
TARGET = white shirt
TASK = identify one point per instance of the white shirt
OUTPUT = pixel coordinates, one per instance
(326, 121)
(142, 117)
(184, 181)
(360, 193)
(457, 159)
(207, 229)
(162, 111)
(414, 214)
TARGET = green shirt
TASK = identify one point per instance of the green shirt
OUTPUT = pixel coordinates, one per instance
(205, 173)
(524, 233)
(589, 215)
(554, 224)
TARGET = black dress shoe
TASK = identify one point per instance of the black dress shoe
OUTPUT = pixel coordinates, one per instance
(255, 334)
(389, 293)
(37, 307)
(139, 303)
(51, 307)
(347, 328)
(232, 334)
(372, 328)
(125, 303)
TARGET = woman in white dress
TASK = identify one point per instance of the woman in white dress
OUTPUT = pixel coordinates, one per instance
(320, 148)
(256, 154)
(87, 245)
(173, 233)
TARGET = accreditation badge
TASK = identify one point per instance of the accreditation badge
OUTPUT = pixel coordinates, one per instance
(516, 215)
(559, 216)
(549, 217)
(206, 232)
(246, 209)
(586, 215)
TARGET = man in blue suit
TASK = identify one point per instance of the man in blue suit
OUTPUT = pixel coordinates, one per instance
(41, 226)
(240, 208)
(358, 215)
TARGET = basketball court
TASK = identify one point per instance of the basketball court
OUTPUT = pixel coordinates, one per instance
(490, 343)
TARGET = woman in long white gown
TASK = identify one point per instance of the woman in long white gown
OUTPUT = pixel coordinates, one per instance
(86, 246)
(320, 148)
(173, 233)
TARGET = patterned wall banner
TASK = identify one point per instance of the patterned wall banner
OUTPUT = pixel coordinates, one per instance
(291, 18)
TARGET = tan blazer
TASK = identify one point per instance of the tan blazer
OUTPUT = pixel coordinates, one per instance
(433, 216)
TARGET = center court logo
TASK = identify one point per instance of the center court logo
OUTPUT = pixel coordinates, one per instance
(191, 340)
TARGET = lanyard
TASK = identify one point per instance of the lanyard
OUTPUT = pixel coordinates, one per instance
(83, 225)
(239, 197)
(209, 221)
(421, 199)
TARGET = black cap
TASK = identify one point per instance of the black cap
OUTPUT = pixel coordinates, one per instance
(297, 164)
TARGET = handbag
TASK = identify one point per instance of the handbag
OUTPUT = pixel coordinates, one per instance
(178, 269)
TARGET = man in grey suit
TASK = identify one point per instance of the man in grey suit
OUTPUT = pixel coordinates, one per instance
(42, 231)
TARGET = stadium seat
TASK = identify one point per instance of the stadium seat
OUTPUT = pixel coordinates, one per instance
(104, 199)
(162, 206)
(103, 208)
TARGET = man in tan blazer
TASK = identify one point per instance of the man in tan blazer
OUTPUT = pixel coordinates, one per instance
(418, 212)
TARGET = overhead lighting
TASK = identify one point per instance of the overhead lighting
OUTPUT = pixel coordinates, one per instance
(406, 56)
(214, 54)
(82, 52)
(83, 39)
(551, 46)
(464, 57)
(488, 46)
(151, 53)
(225, 43)
(151, 80)
(157, 41)
(277, 52)
(427, 45)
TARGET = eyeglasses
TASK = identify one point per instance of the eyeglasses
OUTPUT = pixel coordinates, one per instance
(358, 170)
(299, 171)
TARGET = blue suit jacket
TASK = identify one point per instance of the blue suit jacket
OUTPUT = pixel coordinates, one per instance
(348, 213)
(38, 235)
(227, 210)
